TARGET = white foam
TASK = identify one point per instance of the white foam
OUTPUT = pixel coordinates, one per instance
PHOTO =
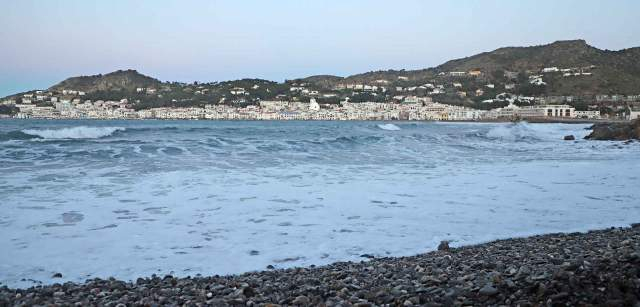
(390, 127)
(302, 197)
(508, 132)
(524, 130)
(81, 132)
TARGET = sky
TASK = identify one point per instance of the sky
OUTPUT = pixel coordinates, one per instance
(46, 41)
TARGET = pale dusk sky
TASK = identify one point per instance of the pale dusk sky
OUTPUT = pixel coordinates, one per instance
(44, 42)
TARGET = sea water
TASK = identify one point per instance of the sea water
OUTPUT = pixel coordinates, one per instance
(134, 198)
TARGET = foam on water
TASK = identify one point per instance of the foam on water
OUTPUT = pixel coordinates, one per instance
(82, 132)
(390, 127)
(135, 198)
(526, 131)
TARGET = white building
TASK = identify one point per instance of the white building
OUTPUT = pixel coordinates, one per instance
(587, 114)
(313, 105)
(555, 110)
(537, 81)
(238, 91)
(535, 111)
(464, 114)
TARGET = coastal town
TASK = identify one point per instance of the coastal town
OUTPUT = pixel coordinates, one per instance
(472, 95)
(412, 108)
(69, 104)
(458, 95)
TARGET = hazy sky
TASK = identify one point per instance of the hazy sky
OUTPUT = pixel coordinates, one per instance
(43, 42)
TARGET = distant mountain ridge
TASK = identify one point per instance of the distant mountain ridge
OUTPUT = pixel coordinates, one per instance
(616, 72)
(561, 53)
(620, 70)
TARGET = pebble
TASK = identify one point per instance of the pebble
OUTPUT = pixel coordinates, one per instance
(488, 290)
(301, 301)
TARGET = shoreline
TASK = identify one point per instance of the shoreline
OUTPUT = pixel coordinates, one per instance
(528, 120)
(599, 267)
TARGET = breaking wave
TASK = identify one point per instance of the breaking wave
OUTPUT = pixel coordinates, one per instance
(81, 132)
(513, 132)
(524, 131)
(390, 127)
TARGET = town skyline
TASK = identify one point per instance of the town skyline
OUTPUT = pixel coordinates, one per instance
(283, 40)
(579, 80)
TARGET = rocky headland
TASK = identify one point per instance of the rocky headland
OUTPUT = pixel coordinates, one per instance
(598, 268)
(617, 131)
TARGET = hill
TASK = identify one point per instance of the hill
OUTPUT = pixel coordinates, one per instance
(325, 81)
(614, 71)
(575, 53)
(127, 80)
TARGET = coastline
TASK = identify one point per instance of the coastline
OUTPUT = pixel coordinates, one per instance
(600, 267)
(528, 120)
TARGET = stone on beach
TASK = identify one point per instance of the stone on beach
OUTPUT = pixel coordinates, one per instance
(443, 246)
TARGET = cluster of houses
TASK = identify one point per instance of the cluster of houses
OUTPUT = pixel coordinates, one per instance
(537, 79)
(413, 102)
(430, 89)
(571, 71)
(471, 73)
(411, 108)
(450, 83)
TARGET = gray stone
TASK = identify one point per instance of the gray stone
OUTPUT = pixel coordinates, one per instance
(444, 246)
(488, 290)
(301, 301)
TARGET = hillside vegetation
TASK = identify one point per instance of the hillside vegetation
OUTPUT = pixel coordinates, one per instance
(127, 80)
(614, 72)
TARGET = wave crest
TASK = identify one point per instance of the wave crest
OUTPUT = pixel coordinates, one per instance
(524, 131)
(81, 132)
(389, 127)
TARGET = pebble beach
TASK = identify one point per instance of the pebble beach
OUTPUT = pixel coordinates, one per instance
(597, 268)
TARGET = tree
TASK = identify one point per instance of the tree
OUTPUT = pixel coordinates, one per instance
(497, 74)
(528, 89)
(8, 110)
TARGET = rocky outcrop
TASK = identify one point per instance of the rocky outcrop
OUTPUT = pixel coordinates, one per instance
(615, 131)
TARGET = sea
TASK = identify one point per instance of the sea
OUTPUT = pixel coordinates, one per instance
(129, 199)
